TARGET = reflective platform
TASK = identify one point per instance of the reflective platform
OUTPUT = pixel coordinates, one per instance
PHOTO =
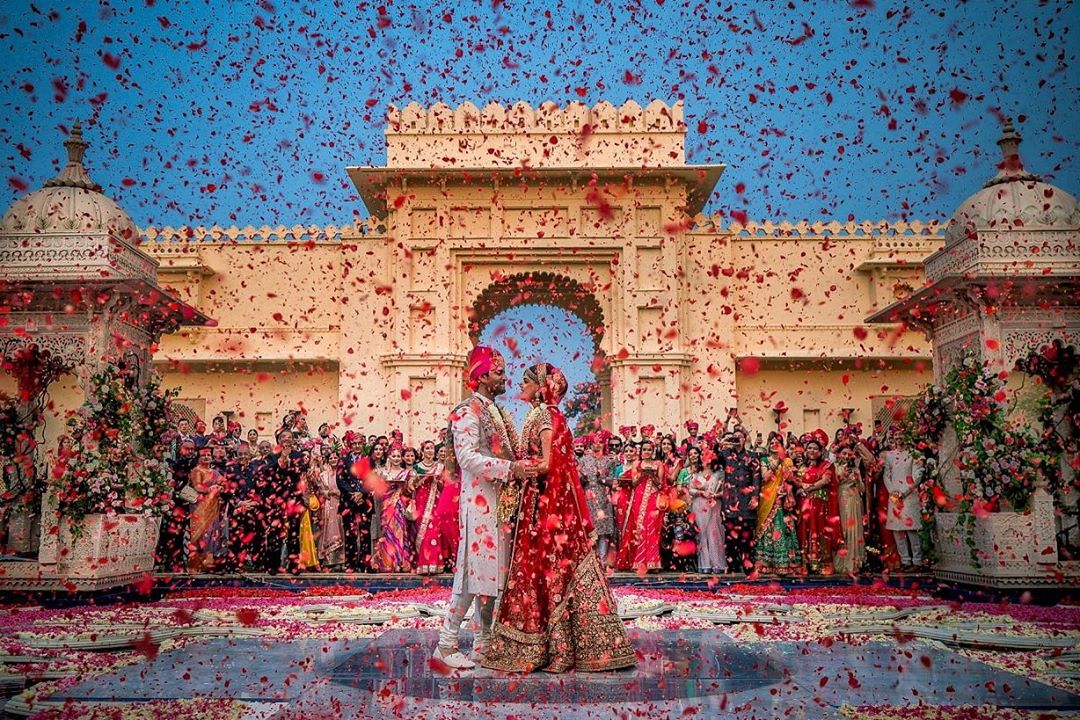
(686, 673)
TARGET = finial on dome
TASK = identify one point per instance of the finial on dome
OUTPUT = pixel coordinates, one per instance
(74, 174)
(1011, 166)
(76, 146)
(1009, 142)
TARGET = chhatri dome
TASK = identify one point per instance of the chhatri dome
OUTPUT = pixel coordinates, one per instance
(70, 203)
(1014, 199)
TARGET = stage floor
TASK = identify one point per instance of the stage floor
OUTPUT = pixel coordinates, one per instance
(279, 649)
(696, 673)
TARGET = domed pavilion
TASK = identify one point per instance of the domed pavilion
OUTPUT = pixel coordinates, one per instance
(1006, 280)
(1006, 284)
(77, 292)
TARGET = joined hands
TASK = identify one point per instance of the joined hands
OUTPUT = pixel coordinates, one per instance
(523, 470)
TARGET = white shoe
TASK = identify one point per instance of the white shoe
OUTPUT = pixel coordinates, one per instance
(477, 654)
(454, 660)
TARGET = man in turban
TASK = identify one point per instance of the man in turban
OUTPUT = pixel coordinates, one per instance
(484, 444)
(692, 439)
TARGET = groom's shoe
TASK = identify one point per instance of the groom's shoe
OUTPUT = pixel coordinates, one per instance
(453, 659)
(477, 654)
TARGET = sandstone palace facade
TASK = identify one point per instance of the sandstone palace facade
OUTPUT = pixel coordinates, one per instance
(594, 210)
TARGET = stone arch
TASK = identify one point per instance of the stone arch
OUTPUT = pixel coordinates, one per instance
(549, 289)
(538, 288)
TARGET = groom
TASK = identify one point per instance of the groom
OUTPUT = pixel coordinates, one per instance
(483, 442)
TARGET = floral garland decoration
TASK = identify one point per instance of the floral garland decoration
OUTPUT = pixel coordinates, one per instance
(17, 445)
(1056, 366)
(118, 442)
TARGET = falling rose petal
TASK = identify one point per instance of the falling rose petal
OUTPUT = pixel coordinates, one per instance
(247, 616)
(145, 584)
(750, 365)
(439, 667)
(146, 647)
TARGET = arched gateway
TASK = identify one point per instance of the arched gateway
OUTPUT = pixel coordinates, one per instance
(583, 208)
(552, 290)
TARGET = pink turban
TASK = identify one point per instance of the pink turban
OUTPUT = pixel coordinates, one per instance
(481, 360)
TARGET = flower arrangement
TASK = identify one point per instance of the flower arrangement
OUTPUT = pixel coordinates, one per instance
(583, 403)
(1056, 367)
(998, 462)
(118, 442)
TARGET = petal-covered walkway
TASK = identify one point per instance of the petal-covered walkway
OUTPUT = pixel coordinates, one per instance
(761, 650)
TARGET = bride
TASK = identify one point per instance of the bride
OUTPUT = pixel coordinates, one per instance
(557, 611)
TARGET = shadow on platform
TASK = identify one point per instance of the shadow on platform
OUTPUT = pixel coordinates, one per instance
(700, 673)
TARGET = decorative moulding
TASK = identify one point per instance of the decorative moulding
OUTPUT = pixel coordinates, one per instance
(109, 549)
(1015, 550)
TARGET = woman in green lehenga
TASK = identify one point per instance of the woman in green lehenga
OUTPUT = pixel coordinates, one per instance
(777, 544)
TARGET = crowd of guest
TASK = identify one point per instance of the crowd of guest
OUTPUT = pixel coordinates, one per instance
(718, 503)
(361, 503)
(711, 503)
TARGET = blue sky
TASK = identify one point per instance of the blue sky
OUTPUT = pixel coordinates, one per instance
(247, 113)
(532, 334)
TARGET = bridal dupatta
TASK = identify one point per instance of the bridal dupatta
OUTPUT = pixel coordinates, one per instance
(557, 611)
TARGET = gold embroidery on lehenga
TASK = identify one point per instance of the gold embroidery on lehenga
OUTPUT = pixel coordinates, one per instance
(585, 632)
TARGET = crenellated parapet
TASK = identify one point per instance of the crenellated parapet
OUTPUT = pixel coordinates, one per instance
(549, 136)
(153, 237)
(889, 236)
(907, 234)
(495, 119)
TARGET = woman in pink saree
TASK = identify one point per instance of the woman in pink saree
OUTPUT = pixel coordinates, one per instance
(447, 518)
(639, 548)
(557, 611)
(427, 482)
(393, 551)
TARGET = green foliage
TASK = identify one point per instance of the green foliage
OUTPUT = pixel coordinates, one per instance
(583, 403)
(17, 445)
(995, 460)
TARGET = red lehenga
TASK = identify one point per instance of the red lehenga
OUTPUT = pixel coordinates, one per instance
(557, 611)
(819, 518)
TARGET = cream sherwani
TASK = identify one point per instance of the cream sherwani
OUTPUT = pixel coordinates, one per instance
(901, 474)
(481, 551)
(483, 445)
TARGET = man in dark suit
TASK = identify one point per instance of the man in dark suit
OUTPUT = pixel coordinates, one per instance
(245, 539)
(284, 504)
(356, 508)
(171, 548)
(741, 491)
